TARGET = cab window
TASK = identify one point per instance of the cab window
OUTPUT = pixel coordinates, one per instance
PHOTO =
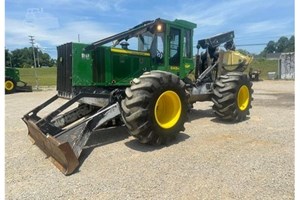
(174, 47)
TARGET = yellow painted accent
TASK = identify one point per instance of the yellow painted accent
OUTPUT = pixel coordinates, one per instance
(233, 58)
(243, 97)
(167, 109)
(9, 85)
(187, 66)
(174, 68)
(124, 51)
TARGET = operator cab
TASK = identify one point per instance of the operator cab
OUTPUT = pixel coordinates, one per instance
(152, 45)
(169, 44)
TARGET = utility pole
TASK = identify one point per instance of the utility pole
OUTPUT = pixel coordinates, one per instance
(31, 39)
(37, 57)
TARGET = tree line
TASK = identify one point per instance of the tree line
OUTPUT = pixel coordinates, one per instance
(23, 58)
(283, 45)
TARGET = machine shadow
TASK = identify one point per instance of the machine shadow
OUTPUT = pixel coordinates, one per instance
(106, 136)
(194, 114)
(217, 120)
(100, 138)
(208, 113)
(136, 145)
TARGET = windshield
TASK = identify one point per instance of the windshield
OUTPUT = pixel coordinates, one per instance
(141, 42)
(147, 42)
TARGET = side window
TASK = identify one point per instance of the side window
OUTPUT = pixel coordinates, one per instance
(160, 42)
(145, 41)
(157, 48)
(174, 47)
(187, 44)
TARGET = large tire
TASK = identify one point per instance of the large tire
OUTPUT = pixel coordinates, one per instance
(232, 96)
(155, 107)
(10, 86)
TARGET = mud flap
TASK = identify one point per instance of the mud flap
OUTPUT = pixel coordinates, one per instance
(64, 146)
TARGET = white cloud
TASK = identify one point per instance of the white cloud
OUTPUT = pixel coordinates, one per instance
(207, 13)
(36, 17)
(72, 17)
(105, 5)
(102, 5)
(17, 33)
(49, 30)
(270, 26)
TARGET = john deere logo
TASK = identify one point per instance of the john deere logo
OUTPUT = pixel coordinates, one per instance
(187, 66)
(85, 56)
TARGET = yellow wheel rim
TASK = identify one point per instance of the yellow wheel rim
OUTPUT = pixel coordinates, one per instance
(243, 97)
(9, 85)
(167, 109)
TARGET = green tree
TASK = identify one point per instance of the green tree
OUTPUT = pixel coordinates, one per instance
(17, 58)
(8, 56)
(24, 58)
(45, 59)
(291, 44)
(282, 44)
(270, 48)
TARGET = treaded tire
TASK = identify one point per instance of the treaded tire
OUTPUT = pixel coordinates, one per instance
(10, 86)
(138, 108)
(228, 104)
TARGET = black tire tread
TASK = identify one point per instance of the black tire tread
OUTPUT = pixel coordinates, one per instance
(225, 91)
(136, 107)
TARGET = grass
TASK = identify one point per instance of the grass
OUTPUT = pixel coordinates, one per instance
(264, 66)
(46, 76)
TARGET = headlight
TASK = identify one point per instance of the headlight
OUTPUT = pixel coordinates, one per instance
(159, 28)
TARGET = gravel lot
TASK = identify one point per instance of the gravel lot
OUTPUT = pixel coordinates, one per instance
(210, 160)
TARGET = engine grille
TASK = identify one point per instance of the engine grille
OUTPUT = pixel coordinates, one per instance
(64, 70)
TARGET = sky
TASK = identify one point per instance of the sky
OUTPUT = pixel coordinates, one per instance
(55, 22)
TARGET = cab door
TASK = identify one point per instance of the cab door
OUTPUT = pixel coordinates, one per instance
(187, 52)
(174, 50)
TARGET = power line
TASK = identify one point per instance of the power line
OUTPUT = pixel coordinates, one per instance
(259, 44)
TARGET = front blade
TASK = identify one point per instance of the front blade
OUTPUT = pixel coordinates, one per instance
(60, 152)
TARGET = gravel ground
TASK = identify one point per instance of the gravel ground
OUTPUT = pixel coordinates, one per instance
(209, 160)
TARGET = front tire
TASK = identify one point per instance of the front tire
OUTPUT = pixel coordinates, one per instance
(232, 96)
(155, 107)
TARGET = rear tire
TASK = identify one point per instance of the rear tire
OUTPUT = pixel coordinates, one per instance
(155, 107)
(232, 96)
(10, 86)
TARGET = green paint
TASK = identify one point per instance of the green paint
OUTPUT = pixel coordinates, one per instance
(12, 73)
(111, 66)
